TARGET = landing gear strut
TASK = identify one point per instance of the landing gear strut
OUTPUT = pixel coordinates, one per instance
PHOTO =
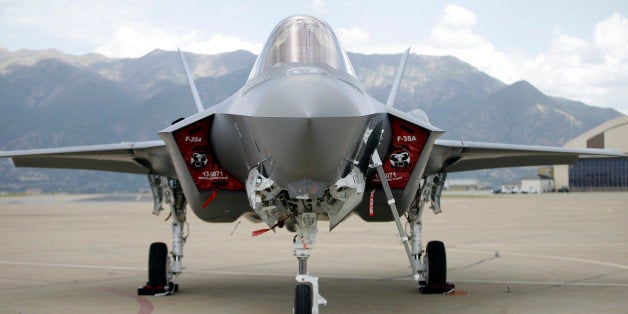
(161, 267)
(431, 274)
(306, 297)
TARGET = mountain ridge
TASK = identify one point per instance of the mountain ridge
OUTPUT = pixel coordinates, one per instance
(46, 96)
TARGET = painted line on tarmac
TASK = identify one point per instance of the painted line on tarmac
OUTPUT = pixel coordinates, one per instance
(258, 274)
(543, 283)
(70, 265)
(552, 257)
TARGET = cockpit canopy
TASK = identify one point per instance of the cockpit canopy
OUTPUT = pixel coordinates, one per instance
(302, 39)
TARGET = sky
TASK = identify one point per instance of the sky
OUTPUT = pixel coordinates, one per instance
(574, 49)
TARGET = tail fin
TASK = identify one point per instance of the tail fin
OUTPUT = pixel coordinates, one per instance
(393, 91)
(197, 99)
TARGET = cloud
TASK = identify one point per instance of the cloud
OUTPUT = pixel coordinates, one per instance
(588, 70)
(219, 43)
(453, 35)
(455, 16)
(135, 40)
(126, 29)
(353, 37)
(611, 36)
(454, 30)
(319, 6)
(53, 21)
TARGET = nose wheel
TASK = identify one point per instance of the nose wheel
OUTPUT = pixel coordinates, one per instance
(303, 299)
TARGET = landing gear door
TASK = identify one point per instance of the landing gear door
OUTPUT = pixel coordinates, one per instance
(407, 155)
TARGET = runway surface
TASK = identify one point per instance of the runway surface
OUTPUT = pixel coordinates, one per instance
(510, 253)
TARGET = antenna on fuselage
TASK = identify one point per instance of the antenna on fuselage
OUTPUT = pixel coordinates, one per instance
(197, 99)
(393, 91)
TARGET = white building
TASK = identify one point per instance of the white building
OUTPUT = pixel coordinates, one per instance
(598, 173)
(537, 185)
(463, 184)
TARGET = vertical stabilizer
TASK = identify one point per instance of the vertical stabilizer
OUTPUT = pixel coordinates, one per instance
(197, 99)
(393, 91)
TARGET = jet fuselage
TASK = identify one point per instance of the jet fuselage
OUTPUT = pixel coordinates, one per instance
(297, 137)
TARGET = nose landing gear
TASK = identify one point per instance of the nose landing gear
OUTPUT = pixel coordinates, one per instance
(161, 268)
(306, 297)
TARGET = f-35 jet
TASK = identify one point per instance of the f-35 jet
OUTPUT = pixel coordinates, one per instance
(300, 142)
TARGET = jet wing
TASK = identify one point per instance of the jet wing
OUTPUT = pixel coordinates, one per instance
(138, 157)
(455, 156)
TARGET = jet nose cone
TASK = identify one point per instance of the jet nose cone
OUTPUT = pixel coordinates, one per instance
(316, 149)
(308, 127)
(310, 93)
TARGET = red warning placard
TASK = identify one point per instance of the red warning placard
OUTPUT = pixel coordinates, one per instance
(408, 141)
(193, 143)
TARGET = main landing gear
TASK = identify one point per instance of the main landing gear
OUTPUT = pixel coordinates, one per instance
(435, 269)
(161, 267)
(431, 273)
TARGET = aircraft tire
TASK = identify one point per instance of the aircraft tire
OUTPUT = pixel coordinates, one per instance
(303, 299)
(158, 264)
(290, 226)
(436, 267)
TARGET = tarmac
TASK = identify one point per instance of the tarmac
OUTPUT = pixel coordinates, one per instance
(506, 254)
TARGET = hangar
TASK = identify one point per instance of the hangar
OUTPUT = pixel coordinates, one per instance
(598, 174)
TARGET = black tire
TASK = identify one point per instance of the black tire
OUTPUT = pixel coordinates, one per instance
(436, 266)
(158, 265)
(290, 226)
(303, 299)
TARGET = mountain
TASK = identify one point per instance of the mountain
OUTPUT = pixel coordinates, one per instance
(520, 113)
(428, 82)
(25, 57)
(52, 99)
(47, 103)
(161, 70)
(471, 105)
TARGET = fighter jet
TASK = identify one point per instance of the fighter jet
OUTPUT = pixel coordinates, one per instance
(300, 142)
